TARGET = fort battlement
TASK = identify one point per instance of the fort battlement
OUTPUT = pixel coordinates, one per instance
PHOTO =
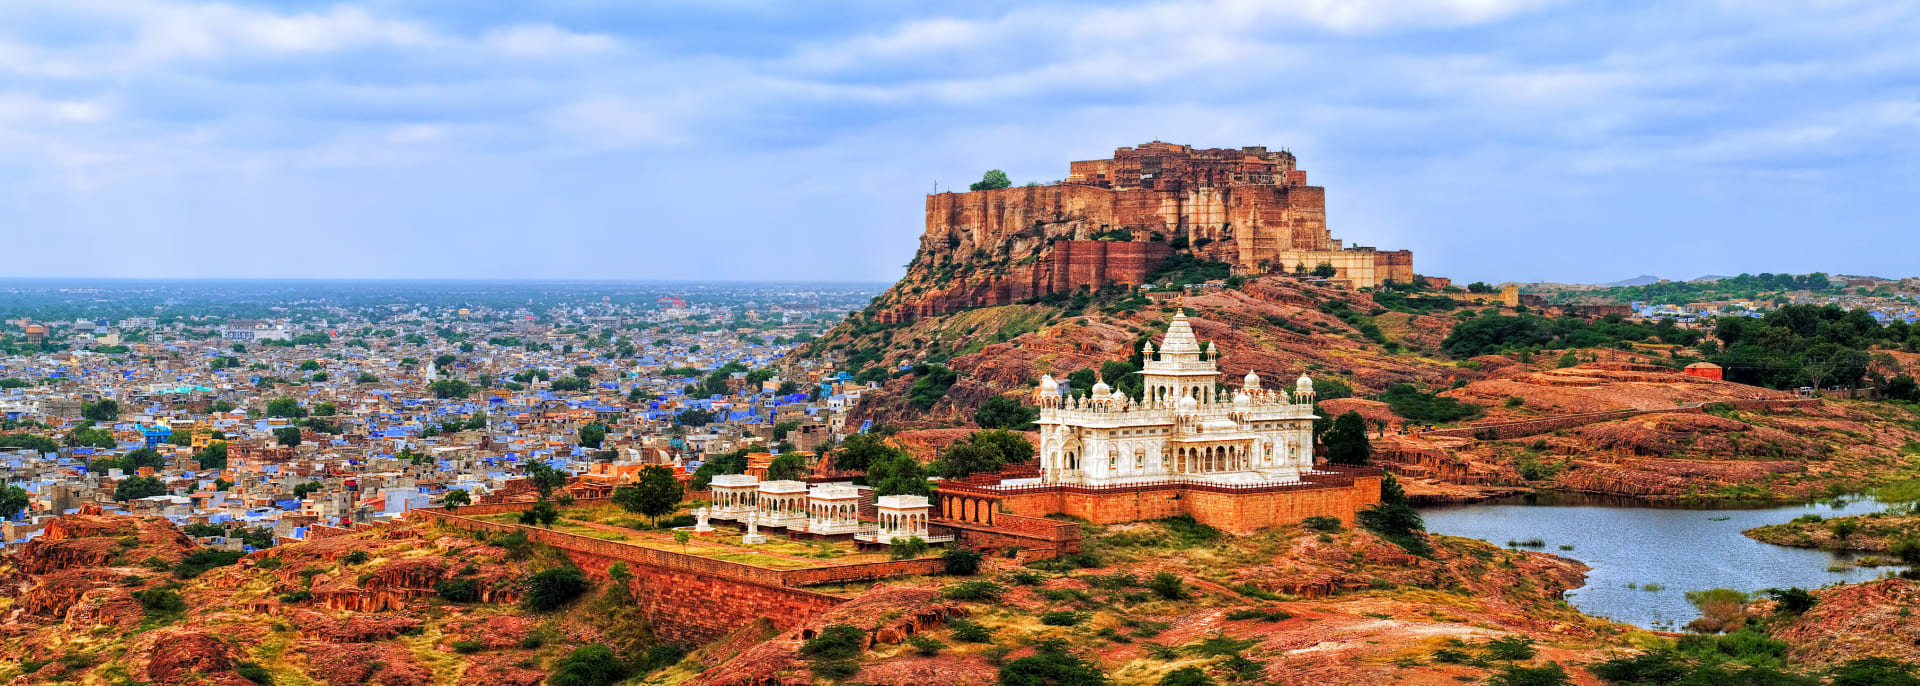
(1113, 221)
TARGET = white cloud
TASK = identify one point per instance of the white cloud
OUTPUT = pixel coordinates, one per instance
(547, 40)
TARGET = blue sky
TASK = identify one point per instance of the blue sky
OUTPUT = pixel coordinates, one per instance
(737, 139)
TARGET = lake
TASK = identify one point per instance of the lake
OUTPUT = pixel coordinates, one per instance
(1682, 548)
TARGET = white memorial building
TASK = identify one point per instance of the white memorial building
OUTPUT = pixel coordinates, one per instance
(1183, 430)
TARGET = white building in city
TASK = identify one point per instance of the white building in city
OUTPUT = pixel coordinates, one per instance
(1182, 430)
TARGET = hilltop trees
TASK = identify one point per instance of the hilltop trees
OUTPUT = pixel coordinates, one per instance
(994, 179)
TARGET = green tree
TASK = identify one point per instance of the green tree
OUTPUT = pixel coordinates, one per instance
(214, 456)
(994, 179)
(13, 501)
(983, 452)
(786, 467)
(457, 498)
(655, 494)
(301, 490)
(1394, 519)
(285, 407)
(289, 436)
(585, 371)
(543, 513)
(1051, 665)
(450, 388)
(930, 385)
(1001, 412)
(554, 588)
(898, 473)
(860, 450)
(105, 410)
(592, 435)
(134, 488)
(545, 478)
(1347, 441)
(1325, 270)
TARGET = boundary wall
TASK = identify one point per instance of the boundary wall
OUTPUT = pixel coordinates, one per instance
(690, 598)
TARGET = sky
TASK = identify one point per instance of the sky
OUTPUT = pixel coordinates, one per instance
(1524, 140)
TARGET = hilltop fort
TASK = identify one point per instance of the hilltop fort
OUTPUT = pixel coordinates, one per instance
(1117, 220)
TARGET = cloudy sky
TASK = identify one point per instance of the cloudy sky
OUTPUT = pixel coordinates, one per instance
(741, 139)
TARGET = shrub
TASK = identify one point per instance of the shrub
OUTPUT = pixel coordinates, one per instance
(467, 647)
(160, 601)
(1875, 671)
(973, 590)
(1062, 618)
(970, 632)
(554, 588)
(1168, 586)
(1186, 676)
(1515, 675)
(253, 672)
(1509, 648)
(1051, 665)
(1023, 578)
(357, 557)
(1792, 601)
(908, 549)
(834, 652)
(1272, 614)
(589, 665)
(199, 561)
(925, 646)
(1322, 523)
(299, 596)
(458, 590)
(961, 561)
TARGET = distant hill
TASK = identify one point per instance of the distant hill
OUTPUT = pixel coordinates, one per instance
(1640, 280)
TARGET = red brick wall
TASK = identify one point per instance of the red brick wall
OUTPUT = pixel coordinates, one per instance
(687, 598)
(690, 607)
(1235, 510)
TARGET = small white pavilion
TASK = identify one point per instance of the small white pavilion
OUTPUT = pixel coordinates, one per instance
(783, 504)
(833, 509)
(735, 496)
(901, 517)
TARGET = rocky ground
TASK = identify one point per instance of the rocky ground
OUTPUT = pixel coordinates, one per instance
(107, 600)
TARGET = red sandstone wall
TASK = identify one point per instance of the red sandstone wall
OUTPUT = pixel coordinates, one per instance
(690, 598)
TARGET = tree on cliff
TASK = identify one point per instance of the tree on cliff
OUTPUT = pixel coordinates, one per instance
(1347, 441)
(655, 494)
(1001, 412)
(1325, 270)
(993, 179)
(1394, 519)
